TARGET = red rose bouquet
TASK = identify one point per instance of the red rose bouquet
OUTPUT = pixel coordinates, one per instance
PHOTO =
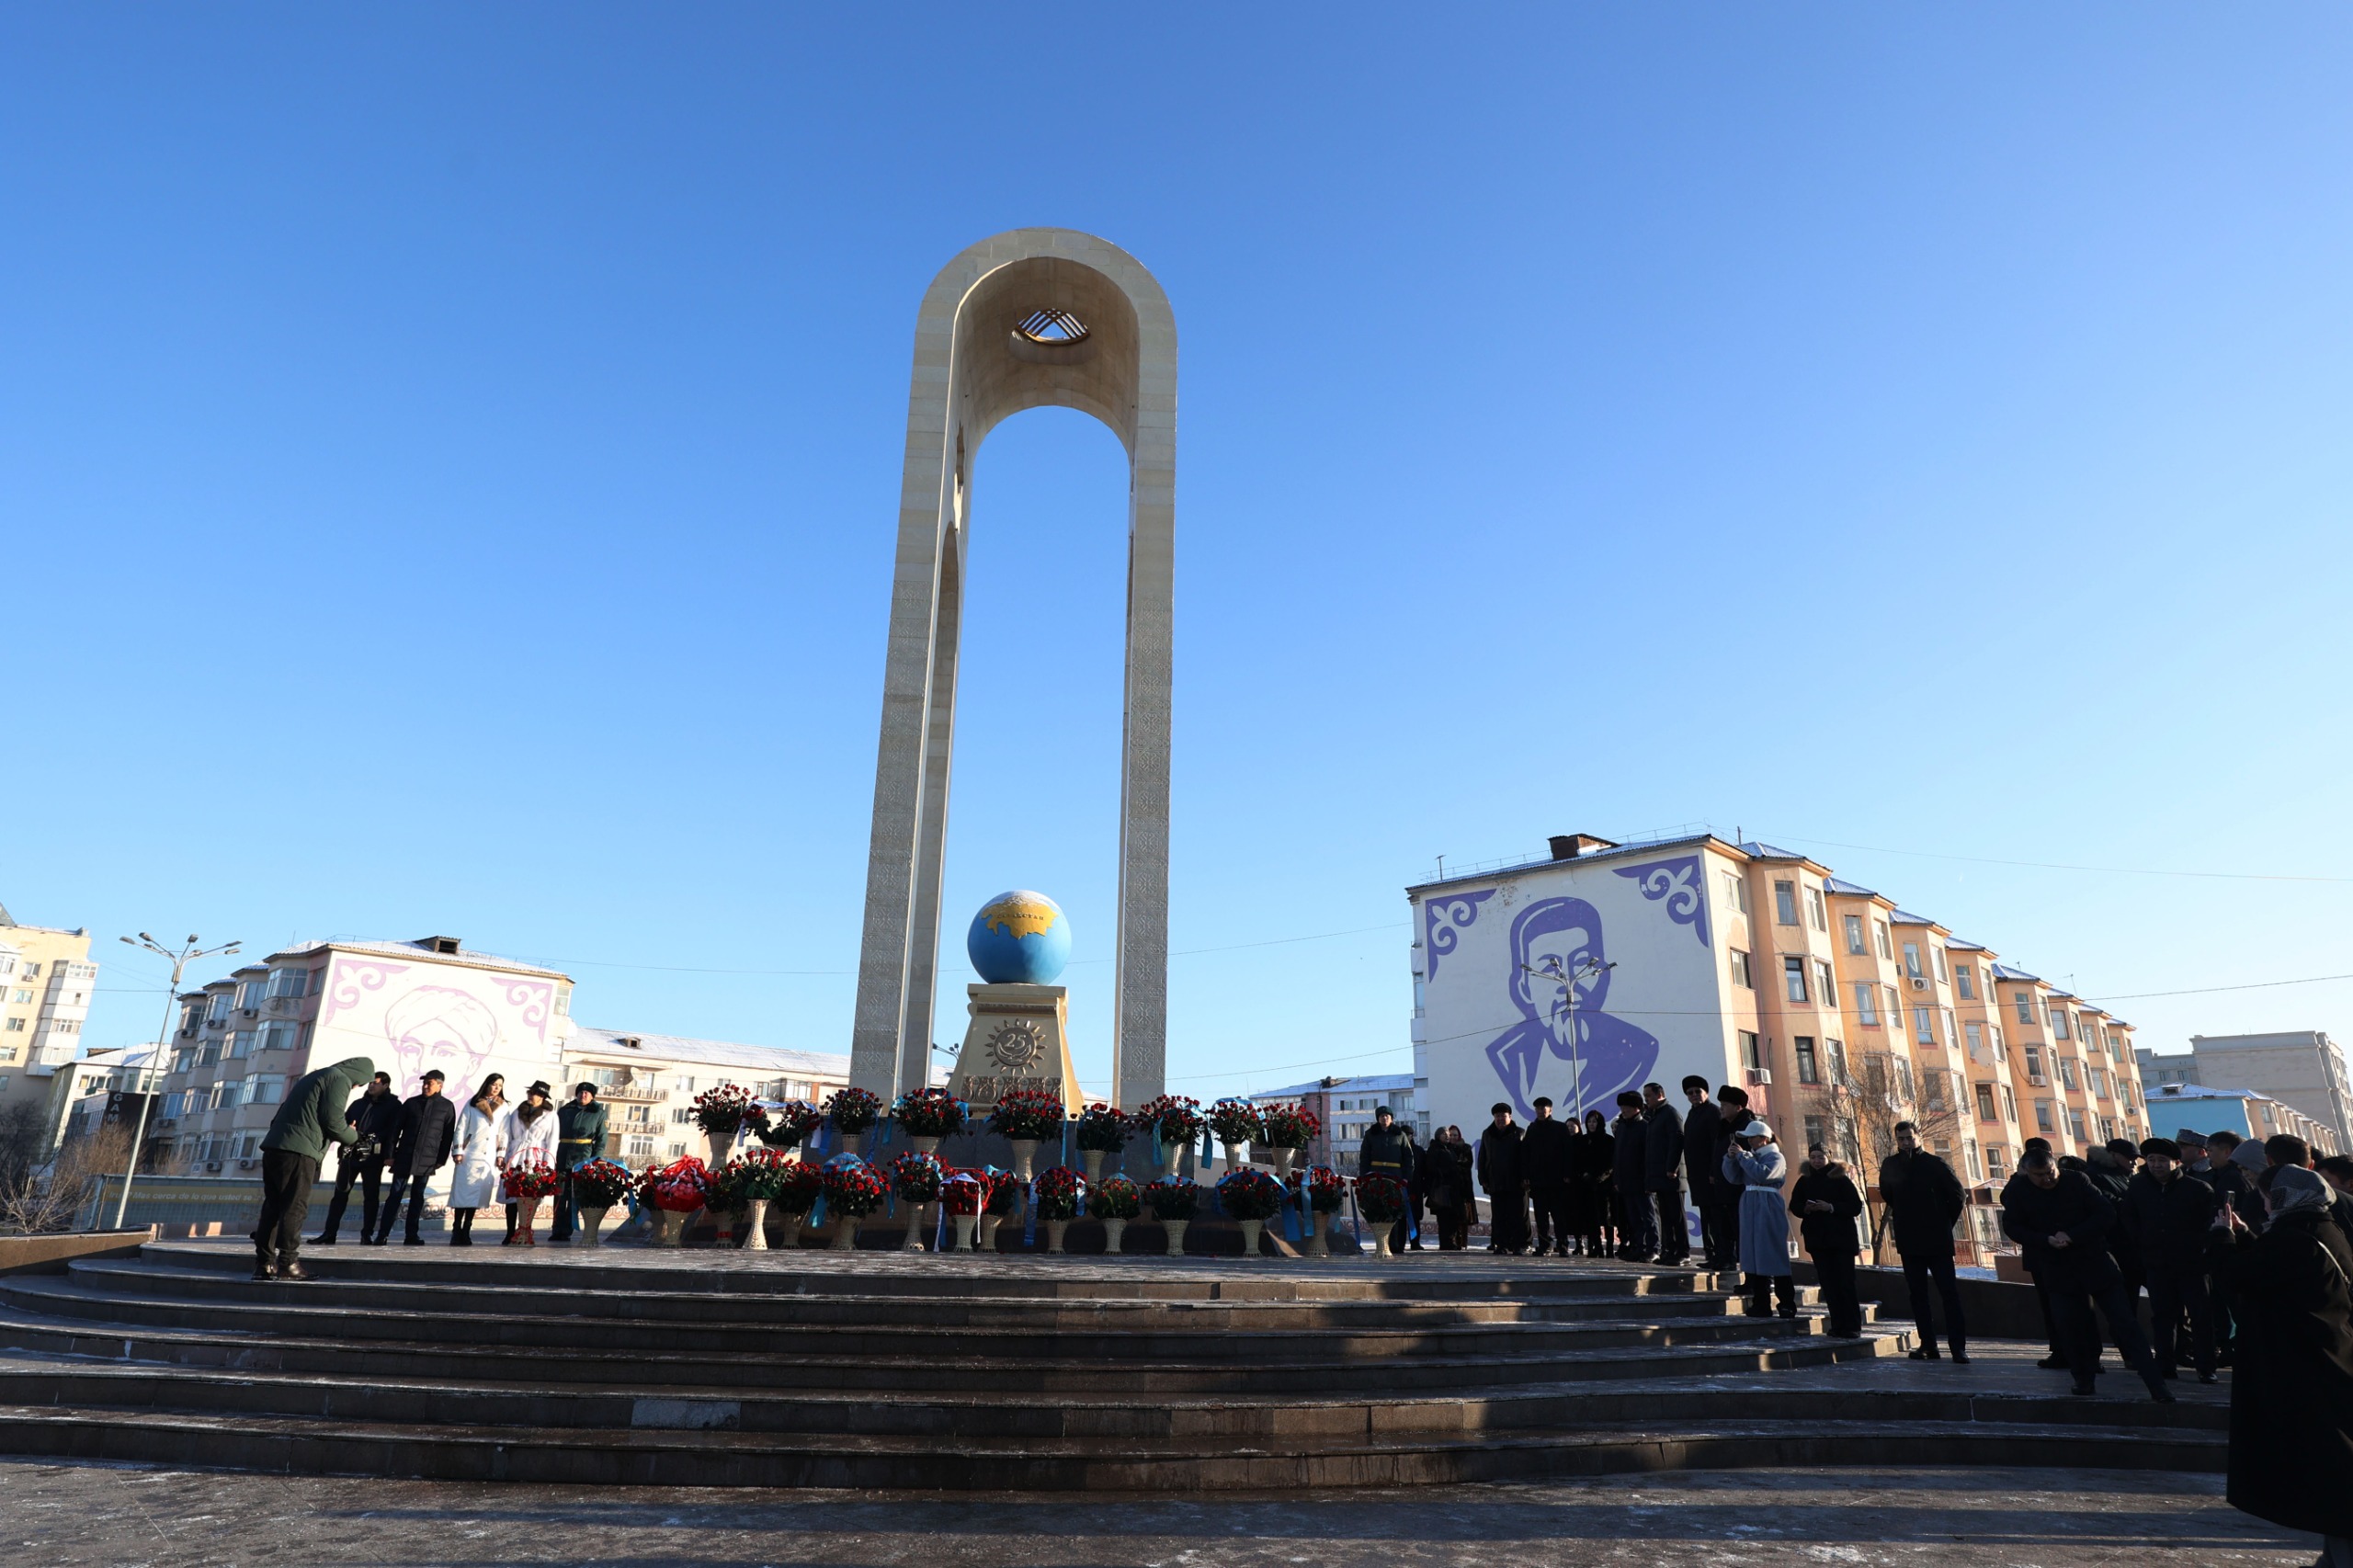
(528, 1184)
(719, 1111)
(1381, 1199)
(1173, 1197)
(1325, 1187)
(928, 1113)
(1235, 1121)
(1249, 1194)
(854, 1110)
(1028, 1114)
(1174, 1118)
(966, 1191)
(798, 1185)
(788, 1124)
(1059, 1192)
(1115, 1197)
(1102, 1127)
(600, 1183)
(1287, 1125)
(678, 1187)
(760, 1173)
(853, 1187)
(917, 1178)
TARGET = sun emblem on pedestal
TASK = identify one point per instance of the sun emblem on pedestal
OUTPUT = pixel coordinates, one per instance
(1016, 1045)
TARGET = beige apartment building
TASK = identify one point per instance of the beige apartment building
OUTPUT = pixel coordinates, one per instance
(46, 979)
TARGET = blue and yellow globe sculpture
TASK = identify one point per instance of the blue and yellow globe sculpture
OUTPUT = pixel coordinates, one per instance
(1019, 938)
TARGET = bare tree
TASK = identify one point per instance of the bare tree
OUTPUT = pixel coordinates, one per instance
(1884, 1092)
(41, 1201)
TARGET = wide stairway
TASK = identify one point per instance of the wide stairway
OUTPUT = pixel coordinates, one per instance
(877, 1369)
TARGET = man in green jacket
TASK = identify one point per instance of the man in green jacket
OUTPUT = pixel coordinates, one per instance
(299, 1134)
(580, 1137)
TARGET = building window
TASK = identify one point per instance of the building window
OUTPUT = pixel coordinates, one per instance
(1814, 908)
(15, 1026)
(1938, 954)
(1867, 1005)
(1794, 979)
(1912, 961)
(1966, 979)
(277, 1036)
(1785, 903)
(2009, 1103)
(290, 982)
(2034, 1064)
(1949, 1034)
(1751, 1057)
(1835, 1051)
(2099, 1082)
(1816, 1132)
(2025, 1001)
(1976, 1034)
(1885, 950)
(1968, 1148)
(1740, 970)
(1855, 934)
(2076, 1124)
(1894, 1009)
(1924, 1026)
(2067, 1071)
(1997, 1157)
(1826, 985)
(1984, 1102)
(240, 1043)
(1809, 1070)
(2057, 1023)
(1735, 893)
(1933, 1092)
(2043, 1122)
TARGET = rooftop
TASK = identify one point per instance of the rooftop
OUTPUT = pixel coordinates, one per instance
(1368, 1083)
(588, 1042)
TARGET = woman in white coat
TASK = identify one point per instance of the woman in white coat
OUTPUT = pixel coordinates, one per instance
(1759, 1169)
(530, 1141)
(481, 1142)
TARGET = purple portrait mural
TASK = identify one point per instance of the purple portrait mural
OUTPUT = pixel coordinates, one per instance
(1554, 942)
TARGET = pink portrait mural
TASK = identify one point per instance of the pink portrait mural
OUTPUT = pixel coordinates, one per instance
(439, 1026)
(412, 1018)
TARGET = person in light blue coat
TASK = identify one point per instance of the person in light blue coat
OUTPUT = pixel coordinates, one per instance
(1753, 1163)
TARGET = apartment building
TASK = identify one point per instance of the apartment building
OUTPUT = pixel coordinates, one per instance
(650, 1083)
(46, 980)
(2252, 1116)
(2303, 1068)
(1344, 1108)
(1607, 966)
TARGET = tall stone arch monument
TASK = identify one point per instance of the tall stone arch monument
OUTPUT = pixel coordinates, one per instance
(1027, 319)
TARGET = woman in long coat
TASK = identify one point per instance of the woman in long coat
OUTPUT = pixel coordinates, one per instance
(482, 1140)
(2291, 1382)
(530, 1139)
(1758, 1169)
(1593, 1188)
(1446, 1176)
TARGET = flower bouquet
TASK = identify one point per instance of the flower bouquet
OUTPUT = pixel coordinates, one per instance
(597, 1186)
(524, 1186)
(1324, 1190)
(1059, 1192)
(853, 1111)
(1102, 1129)
(1381, 1200)
(1236, 1122)
(1025, 1117)
(799, 1186)
(927, 1115)
(1251, 1197)
(757, 1177)
(1286, 1130)
(1173, 1200)
(725, 1201)
(673, 1191)
(1174, 1121)
(721, 1111)
(853, 1190)
(1115, 1201)
(789, 1123)
(915, 1177)
(965, 1194)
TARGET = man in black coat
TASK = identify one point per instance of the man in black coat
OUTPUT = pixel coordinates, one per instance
(2063, 1222)
(2168, 1213)
(1500, 1174)
(1826, 1204)
(376, 1116)
(1545, 1147)
(1387, 1150)
(1725, 1192)
(1702, 1124)
(1924, 1201)
(1636, 1213)
(429, 1129)
(1663, 1146)
(2232, 1185)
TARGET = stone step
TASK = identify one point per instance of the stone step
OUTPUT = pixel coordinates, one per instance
(443, 1402)
(640, 1364)
(533, 1295)
(287, 1309)
(724, 1457)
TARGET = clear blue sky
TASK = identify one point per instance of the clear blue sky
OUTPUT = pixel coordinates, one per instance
(447, 462)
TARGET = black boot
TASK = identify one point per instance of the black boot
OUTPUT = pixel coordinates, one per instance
(265, 1267)
(289, 1266)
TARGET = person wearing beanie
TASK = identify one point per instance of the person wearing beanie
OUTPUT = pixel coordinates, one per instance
(2292, 1395)
(1761, 1170)
(2193, 1151)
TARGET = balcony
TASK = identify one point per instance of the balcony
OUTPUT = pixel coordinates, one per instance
(283, 1006)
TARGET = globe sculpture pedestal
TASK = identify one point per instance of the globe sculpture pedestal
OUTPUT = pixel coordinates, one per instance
(1018, 1038)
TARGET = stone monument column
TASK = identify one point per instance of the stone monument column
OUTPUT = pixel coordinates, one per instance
(1031, 318)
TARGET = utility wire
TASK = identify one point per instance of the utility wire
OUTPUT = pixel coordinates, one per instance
(2058, 865)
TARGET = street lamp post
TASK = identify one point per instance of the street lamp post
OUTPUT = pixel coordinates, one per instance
(181, 957)
(1588, 970)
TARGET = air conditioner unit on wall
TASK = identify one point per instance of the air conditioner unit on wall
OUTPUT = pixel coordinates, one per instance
(1761, 1077)
(1919, 983)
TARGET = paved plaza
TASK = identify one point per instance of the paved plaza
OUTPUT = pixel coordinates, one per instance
(129, 1516)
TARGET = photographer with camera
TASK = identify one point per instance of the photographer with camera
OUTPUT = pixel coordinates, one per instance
(376, 1116)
